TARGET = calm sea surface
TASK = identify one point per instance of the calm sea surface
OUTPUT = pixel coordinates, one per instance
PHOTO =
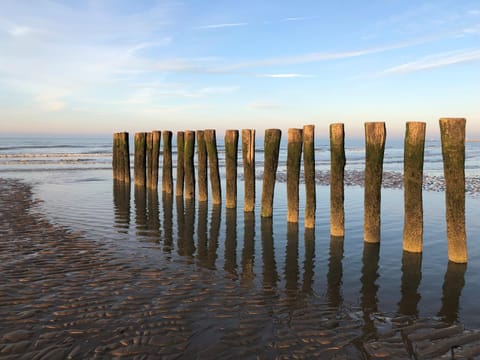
(73, 178)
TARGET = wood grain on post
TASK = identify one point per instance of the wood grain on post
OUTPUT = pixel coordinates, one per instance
(140, 159)
(180, 163)
(337, 175)
(294, 158)
(116, 157)
(231, 155)
(155, 153)
(189, 164)
(375, 134)
(149, 158)
(452, 132)
(248, 154)
(412, 183)
(167, 177)
(202, 167)
(124, 157)
(211, 142)
(271, 151)
(309, 175)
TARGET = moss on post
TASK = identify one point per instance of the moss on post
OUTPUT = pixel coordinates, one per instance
(309, 175)
(202, 167)
(294, 158)
(231, 154)
(167, 177)
(248, 154)
(180, 163)
(337, 175)
(211, 142)
(271, 151)
(189, 165)
(140, 159)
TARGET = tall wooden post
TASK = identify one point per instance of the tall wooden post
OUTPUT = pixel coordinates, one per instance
(211, 142)
(167, 177)
(189, 164)
(375, 134)
(271, 151)
(248, 153)
(231, 154)
(140, 159)
(153, 152)
(202, 167)
(180, 163)
(309, 175)
(337, 174)
(294, 157)
(412, 183)
(453, 151)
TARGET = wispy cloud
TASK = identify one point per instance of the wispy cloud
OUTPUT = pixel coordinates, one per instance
(224, 25)
(285, 76)
(17, 30)
(301, 18)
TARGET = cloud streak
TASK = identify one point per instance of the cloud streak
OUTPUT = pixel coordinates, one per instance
(224, 25)
(285, 76)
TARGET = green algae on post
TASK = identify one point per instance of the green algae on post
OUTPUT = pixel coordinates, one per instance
(337, 175)
(167, 177)
(211, 142)
(271, 152)
(202, 172)
(231, 154)
(309, 175)
(248, 154)
(140, 159)
(294, 158)
(180, 163)
(189, 166)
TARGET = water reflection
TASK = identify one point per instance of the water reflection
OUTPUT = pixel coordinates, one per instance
(140, 200)
(291, 259)
(180, 224)
(270, 276)
(167, 202)
(452, 290)
(230, 264)
(369, 290)
(202, 235)
(188, 243)
(153, 216)
(248, 253)
(309, 263)
(411, 277)
(121, 203)
(214, 233)
(335, 272)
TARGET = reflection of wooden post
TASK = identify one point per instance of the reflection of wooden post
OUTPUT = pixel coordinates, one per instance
(167, 177)
(412, 182)
(271, 150)
(180, 163)
(140, 159)
(121, 157)
(453, 151)
(294, 156)
(211, 142)
(309, 174)
(189, 164)
(153, 152)
(375, 146)
(231, 153)
(202, 167)
(337, 174)
(248, 154)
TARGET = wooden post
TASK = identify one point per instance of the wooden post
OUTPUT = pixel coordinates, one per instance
(202, 166)
(153, 152)
(149, 158)
(124, 156)
(337, 174)
(140, 159)
(211, 142)
(375, 134)
(167, 177)
(453, 150)
(309, 175)
(115, 157)
(189, 165)
(231, 154)
(294, 157)
(271, 151)
(248, 152)
(180, 163)
(412, 183)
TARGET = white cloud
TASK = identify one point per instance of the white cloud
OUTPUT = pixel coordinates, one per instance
(219, 26)
(285, 76)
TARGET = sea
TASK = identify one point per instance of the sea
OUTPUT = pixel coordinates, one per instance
(72, 180)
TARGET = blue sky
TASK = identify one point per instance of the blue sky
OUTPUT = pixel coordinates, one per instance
(104, 66)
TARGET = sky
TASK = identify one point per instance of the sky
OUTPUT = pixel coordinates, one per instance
(96, 67)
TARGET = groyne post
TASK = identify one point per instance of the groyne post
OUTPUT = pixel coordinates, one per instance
(452, 132)
(294, 157)
(375, 134)
(211, 142)
(231, 156)
(189, 165)
(309, 175)
(140, 159)
(153, 153)
(180, 163)
(248, 155)
(202, 167)
(121, 157)
(414, 147)
(167, 177)
(337, 175)
(271, 152)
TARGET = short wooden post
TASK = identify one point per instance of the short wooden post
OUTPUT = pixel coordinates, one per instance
(211, 142)
(180, 163)
(453, 150)
(294, 157)
(153, 152)
(248, 154)
(167, 177)
(375, 134)
(115, 156)
(121, 157)
(140, 159)
(412, 183)
(189, 165)
(231, 155)
(309, 175)
(202, 167)
(271, 151)
(337, 175)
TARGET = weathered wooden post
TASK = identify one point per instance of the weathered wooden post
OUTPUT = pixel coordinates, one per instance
(167, 177)
(202, 167)
(115, 156)
(121, 157)
(309, 175)
(153, 153)
(149, 158)
(189, 165)
(375, 134)
(412, 183)
(180, 163)
(140, 159)
(271, 151)
(294, 157)
(337, 175)
(211, 142)
(231, 154)
(453, 150)
(248, 154)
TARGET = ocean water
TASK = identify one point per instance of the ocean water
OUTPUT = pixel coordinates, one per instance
(73, 179)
